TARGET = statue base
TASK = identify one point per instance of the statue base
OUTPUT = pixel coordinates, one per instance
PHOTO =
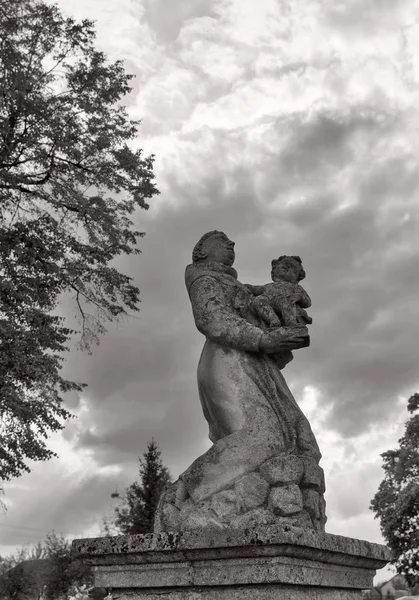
(251, 564)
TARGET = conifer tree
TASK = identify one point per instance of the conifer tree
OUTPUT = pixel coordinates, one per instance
(139, 502)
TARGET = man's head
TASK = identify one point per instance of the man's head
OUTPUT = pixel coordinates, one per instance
(214, 246)
(287, 268)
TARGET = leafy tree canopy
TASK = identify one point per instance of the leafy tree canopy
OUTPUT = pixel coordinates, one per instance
(46, 571)
(396, 503)
(70, 179)
(135, 514)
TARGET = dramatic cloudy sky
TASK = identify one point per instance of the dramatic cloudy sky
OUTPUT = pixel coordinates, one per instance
(293, 127)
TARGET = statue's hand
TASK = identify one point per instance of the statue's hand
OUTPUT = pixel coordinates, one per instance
(282, 339)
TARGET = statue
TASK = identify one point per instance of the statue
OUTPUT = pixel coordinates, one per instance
(282, 302)
(263, 465)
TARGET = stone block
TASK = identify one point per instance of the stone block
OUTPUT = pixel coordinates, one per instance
(301, 520)
(256, 563)
(194, 516)
(255, 592)
(322, 506)
(311, 502)
(285, 500)
(225, 462)
(254, 518)
(198, 519)
(224, 504)
(187, 507)
(313, 475)
(306, 440)
(195, 520)
(282, 469)
(170, 518)
(251, 490)
(176, 493)
(318, 525)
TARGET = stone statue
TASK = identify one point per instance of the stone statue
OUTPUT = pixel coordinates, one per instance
(263, 465)
(282, 302)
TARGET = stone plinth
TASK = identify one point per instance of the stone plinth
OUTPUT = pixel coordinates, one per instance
(250, 564)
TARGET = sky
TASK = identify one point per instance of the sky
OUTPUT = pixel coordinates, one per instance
(293, 127)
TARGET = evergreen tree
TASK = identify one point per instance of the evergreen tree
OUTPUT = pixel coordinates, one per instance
(70, 179)
(396, 503)
(139, 502)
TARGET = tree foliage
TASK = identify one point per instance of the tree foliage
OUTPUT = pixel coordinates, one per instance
(63, 571)
(135, 514)
(46, 571)
(396, 503)
(70, 179)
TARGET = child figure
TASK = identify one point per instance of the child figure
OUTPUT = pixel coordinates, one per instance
(282, 302)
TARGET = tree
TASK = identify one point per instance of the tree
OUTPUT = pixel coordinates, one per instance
(63, 571)
(47, 571)
(13, 581)
(396, 502)
(139, 502)
(23, 574)
(69, 181)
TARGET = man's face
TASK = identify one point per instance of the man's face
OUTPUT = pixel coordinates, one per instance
(220, 249)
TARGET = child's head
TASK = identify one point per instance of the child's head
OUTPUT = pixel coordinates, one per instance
(287, 268)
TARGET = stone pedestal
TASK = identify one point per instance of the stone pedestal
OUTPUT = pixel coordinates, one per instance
(250, 564)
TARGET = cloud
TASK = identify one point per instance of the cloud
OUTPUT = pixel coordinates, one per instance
(292, 127)
(167, 20)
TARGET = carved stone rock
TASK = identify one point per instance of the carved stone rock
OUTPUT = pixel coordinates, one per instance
(311, 502)
(313, 475)
(224, 504)
(254, 518)
(227, 460)
(252, 491)
(286, 500)
(283, 469)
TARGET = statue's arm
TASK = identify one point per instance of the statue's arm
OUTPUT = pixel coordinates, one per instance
(215, 319)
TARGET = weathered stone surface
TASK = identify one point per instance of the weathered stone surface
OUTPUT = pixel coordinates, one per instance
(251, 490)
(301, 520)
(170, 516)
(224, 504)
(324, 545)
(228, 459)
(282, 469)
(245, 571)
(322, 505)
(257, 563)
(187, 507)
(176, 493)
(311, 502)
(313, 475)
(199, 519)
(318, 525)
(193, 516)
(254, 518)
(286, 500)
(167, 516)
(257, 592)
(306, 441)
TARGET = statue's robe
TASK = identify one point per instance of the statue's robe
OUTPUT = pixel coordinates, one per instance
(240, 388)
